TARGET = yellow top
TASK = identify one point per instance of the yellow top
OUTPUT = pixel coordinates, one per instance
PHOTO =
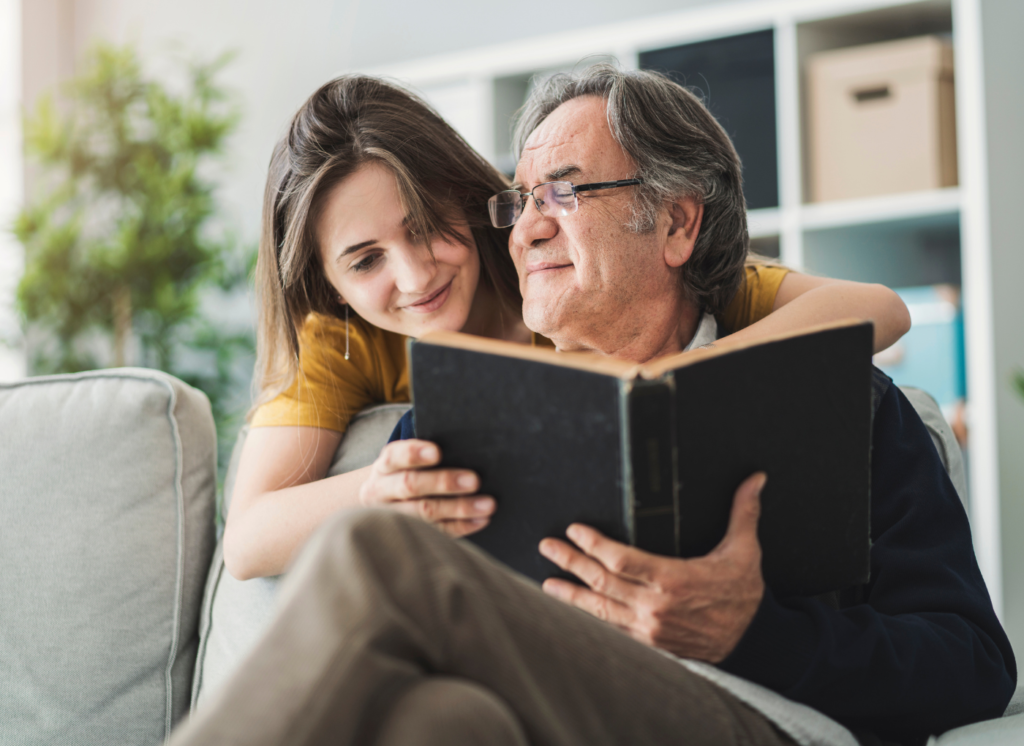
(329, 390)
(754, 300)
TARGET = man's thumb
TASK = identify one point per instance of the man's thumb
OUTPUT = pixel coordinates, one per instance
(746, 508)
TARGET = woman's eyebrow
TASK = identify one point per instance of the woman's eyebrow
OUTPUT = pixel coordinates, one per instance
(353, 248)
(363, 244)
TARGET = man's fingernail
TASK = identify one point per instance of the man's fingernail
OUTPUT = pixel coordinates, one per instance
(484, 505)
(477, 521)
(764, 480)
(546, 548)
(552, 589)
(573, 532)
(428, 453)
(466, 481)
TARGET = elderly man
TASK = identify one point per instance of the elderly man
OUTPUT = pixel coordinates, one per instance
(392, 633)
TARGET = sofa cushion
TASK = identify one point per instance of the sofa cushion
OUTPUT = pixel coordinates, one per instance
(107, 489)
(235, 612)
(942, 437)
(1005, 731)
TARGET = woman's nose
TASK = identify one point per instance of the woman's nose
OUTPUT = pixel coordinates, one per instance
(416, 269)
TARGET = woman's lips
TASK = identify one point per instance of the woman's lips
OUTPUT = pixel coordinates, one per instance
(432, 302)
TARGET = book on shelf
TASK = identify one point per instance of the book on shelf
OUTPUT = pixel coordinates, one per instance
(652, 454)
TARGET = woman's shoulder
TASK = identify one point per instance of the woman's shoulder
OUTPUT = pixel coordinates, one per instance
(365, 355)
(764, 272)
(327, 332)
(330, 387)
(755, 297)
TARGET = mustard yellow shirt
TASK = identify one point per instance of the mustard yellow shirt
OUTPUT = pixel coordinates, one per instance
(329, 390)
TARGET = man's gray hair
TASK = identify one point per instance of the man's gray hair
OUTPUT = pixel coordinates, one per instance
(679, 150)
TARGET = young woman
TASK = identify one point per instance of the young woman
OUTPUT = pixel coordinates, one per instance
(375, 227)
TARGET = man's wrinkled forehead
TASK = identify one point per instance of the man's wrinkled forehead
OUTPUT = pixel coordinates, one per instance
(575, 135)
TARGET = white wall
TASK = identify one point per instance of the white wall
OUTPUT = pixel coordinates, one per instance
(12, 359)
(285, 50)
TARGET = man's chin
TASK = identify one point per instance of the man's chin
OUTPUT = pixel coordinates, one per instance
(539, 318)
(549, 320)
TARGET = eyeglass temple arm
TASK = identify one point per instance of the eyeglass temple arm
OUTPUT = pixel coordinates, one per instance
(606, 185)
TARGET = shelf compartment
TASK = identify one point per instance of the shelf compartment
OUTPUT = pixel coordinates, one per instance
(907, 252)
(766, 246)
(900, 21)
(735, 76)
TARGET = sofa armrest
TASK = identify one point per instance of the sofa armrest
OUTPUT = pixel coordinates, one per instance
(107, 486)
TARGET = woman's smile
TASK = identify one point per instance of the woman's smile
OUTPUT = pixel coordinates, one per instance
(432, 302)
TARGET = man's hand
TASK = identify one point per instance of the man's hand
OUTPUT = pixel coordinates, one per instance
(402, 479)
(694, 608)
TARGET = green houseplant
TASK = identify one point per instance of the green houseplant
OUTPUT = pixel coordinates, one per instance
(120, 239)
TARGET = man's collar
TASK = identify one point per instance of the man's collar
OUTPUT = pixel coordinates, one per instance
(707, 332)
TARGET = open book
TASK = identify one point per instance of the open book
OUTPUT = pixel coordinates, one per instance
(651, 455)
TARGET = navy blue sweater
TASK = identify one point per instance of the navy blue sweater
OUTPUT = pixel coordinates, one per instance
(919, 649)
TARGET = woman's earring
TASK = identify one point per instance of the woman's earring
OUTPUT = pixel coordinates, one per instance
(346, 331)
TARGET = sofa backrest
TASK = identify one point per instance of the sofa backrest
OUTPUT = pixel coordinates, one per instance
(942, 437)
(235, 613)
(107, 491)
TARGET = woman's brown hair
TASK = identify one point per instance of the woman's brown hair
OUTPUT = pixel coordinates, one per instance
(348, 122)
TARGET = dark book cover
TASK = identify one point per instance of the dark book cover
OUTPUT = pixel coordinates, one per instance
(652, 455)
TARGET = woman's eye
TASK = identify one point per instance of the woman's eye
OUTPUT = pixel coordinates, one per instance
(366, 263)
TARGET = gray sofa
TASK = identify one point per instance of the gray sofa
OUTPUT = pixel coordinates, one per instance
(116, 614)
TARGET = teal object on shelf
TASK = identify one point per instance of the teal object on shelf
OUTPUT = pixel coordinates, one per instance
(931, 355)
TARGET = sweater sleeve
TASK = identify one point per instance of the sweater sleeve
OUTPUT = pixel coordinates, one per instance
(924, 651)
(405, 429)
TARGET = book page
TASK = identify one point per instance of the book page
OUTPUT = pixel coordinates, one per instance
(588, 361)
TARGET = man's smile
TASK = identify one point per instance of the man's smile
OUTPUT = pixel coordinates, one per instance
(546, 267)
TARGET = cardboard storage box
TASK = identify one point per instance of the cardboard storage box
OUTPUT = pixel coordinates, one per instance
(881, 119)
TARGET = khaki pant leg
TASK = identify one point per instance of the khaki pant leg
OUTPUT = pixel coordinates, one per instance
(441, 711)
(377, 602)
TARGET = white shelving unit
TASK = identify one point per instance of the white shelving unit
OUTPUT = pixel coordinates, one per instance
(477, 91)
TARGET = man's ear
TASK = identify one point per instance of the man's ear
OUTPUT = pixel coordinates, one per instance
(685, 215)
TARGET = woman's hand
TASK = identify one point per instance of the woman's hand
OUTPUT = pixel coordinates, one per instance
(402, 478)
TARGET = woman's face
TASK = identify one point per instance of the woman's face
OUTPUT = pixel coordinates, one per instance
(382, 270)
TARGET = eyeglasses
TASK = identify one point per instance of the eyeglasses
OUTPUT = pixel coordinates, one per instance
(554, 198)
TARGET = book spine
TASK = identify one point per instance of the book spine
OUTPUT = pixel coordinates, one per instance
(652, 505)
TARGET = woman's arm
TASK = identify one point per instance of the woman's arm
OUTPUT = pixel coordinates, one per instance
(803, 301)
(281, 495)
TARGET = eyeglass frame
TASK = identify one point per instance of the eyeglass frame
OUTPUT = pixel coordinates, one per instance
(593, 187)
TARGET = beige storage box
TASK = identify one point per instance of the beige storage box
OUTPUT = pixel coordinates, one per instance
(881, 119)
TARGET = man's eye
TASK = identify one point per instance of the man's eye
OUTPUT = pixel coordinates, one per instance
(366, 263)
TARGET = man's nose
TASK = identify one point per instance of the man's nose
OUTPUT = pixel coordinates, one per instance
(416, 268)
(532, 226)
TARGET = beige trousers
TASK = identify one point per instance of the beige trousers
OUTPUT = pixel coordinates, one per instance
(389, 632)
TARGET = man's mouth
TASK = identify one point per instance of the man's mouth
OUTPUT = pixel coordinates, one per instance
(433, 301)
(545, 267)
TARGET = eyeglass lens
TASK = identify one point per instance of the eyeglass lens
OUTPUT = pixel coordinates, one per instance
(555, 198)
